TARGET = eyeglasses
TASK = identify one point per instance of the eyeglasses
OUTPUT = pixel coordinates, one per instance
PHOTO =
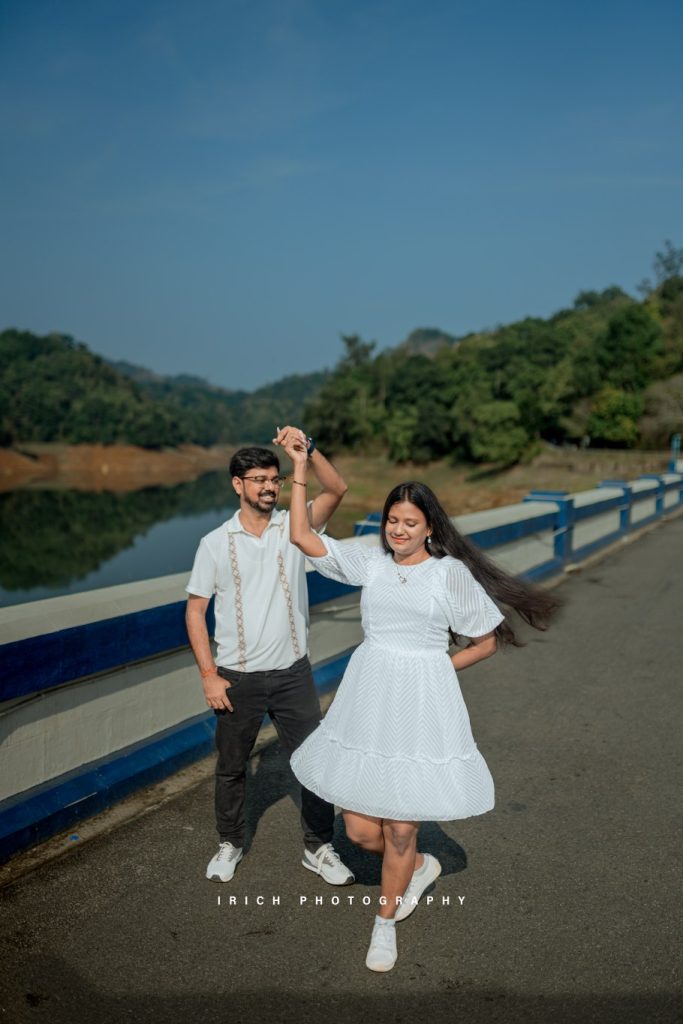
(277, 481)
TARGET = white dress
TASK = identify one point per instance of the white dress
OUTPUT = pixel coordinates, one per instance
(396, 741)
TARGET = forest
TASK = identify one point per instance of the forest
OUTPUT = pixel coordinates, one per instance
(606, 372)
(54, 389)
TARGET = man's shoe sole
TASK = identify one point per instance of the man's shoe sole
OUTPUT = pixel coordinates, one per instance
(317, 871)
(217, 878)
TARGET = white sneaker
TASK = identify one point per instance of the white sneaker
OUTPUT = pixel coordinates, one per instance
(382, 953)
(327, 863)
(417, 885)
(222, 867)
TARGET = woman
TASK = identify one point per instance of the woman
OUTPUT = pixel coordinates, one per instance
(395, 747)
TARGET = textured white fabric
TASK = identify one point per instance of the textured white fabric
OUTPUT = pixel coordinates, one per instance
(267, 632)
(396, 741)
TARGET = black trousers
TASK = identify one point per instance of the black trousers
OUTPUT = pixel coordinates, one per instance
(289, 696)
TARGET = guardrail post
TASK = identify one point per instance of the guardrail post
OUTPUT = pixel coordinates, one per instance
(625, 510)
(659, 501)
(562, 537)
(370, 524)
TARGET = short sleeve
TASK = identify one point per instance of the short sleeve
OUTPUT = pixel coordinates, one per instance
(346, 563)
(202, 580)
(321, 529)
(470, 610)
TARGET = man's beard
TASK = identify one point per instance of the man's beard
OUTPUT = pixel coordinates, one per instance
(267, 506)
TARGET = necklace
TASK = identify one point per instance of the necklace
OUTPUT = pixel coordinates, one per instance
(402, 577)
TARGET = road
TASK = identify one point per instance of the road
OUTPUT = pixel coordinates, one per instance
(562, 901)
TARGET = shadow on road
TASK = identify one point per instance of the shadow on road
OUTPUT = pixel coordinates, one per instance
(271, 779)
(63, 995)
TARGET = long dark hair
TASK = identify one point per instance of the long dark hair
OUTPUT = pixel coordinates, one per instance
(533, 604)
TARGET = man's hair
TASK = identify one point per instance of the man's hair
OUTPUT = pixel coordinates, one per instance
(252, 458)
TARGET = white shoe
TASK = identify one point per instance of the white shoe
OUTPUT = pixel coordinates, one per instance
(382, 953)
(327, 863)
(222, 867)
(417, 885)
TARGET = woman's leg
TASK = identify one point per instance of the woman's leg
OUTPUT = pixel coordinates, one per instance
(396, 843)
(364, 831)
(399, 862)
(367, 832)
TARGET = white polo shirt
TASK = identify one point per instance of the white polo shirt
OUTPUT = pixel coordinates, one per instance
(261, 604)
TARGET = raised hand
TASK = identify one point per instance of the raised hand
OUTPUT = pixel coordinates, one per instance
(291, 437)
(294, 442)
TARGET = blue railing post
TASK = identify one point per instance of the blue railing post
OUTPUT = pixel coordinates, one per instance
(675, 453)
(659, 500)
(625, 509)
(370, 524)
(562, 537)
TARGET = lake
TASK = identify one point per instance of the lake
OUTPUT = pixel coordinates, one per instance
(55, 542)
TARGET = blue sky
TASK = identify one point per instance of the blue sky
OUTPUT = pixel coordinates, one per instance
(223, 188)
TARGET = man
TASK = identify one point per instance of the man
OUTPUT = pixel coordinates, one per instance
(261, 609)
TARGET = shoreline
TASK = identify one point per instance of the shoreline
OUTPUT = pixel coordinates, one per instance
(99, 467)
(462, 488)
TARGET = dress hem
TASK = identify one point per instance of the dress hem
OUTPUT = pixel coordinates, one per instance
(374, 813)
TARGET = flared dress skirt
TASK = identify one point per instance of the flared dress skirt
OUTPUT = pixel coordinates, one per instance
(396, 741)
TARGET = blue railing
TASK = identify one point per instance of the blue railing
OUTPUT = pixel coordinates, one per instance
(40, 663)
(44, 662)
(569, 512)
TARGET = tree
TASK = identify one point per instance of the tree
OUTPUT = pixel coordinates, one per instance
(626, 353)
(497, 434)
(668, 263)
(348, 411)
(613, 420)
(586, 299)
(358, 352)
(400, 429)
(663, 414)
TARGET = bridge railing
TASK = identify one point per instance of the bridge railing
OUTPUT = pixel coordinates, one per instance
(99, 693)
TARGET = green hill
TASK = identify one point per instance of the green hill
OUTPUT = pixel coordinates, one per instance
(606, 372)
(53, 388)
(211, 414)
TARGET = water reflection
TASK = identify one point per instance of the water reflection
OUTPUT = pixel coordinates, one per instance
(54, 542)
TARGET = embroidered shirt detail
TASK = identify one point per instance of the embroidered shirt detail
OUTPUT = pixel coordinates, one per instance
(239, 611)
(239, 608)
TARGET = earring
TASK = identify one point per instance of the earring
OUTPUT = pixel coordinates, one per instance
(429, 540)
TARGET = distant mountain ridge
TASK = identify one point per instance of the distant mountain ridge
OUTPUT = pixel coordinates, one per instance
(243, 415)
(607, 371)
(54, 388)
(144, 376)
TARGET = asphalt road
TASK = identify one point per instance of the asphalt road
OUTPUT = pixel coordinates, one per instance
(564, 901)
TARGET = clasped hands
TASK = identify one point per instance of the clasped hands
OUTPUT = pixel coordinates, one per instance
(294, 442)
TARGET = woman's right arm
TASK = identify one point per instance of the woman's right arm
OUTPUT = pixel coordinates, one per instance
(300, 532)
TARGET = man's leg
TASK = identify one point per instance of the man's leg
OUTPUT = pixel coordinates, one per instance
(294, 708)
(236, 733)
